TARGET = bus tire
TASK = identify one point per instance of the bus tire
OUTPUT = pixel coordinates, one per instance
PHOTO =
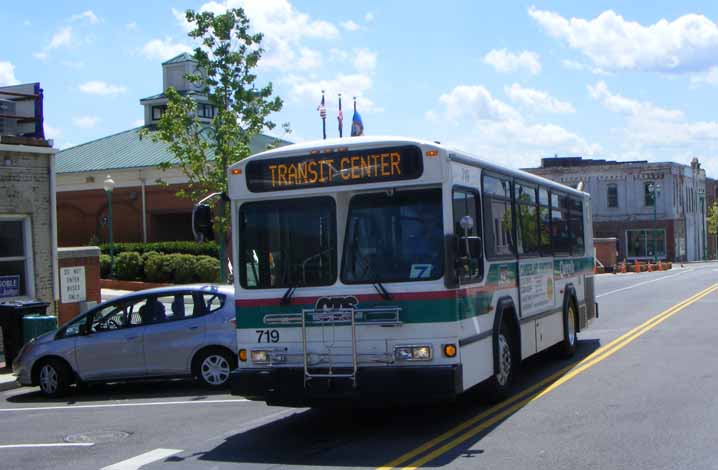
(499, 385)
(570, 329)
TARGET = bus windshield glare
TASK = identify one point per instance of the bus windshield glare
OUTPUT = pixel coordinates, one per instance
(394, 237)
(289, 243)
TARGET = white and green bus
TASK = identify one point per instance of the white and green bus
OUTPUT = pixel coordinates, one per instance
(397, 270)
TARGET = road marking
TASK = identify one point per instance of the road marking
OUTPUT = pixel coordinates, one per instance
(641, 284)
(51, 444)
(518, 401)
(143, 459)
(120, 405)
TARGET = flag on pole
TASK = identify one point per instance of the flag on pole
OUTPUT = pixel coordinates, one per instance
(340, 117)
(323, 114)
(357, 124)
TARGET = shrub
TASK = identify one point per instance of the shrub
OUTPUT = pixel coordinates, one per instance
(105, 264)
(128, 266)
(183, 268)
(207, 269)
(157, 268)
(183, 247)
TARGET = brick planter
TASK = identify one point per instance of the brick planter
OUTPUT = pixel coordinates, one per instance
(129, 285)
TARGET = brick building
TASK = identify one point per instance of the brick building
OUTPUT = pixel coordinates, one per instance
(28, 257)
(652, 209)
(142, 209)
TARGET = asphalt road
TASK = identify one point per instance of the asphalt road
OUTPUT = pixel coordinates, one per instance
(640, 394)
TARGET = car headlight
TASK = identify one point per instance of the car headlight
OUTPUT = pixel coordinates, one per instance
(413, 353)
(260, 357)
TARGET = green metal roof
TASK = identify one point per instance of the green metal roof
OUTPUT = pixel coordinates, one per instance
(127, 150)
(162, 95)
(184, 57)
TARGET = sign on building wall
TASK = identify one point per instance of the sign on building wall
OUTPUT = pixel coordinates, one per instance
(10, 286)
(72, 284)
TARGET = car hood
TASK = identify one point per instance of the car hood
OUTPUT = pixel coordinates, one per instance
(45, 337)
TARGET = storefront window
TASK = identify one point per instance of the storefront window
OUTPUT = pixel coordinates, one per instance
(13, 258)
(646, 243)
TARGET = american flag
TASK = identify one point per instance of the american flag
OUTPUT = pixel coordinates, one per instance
(340, 117)
(322, 109)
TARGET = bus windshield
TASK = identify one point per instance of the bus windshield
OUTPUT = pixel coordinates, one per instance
(394, 237)
(289, 243)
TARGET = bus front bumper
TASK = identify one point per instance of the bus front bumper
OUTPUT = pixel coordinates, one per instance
(374, 385)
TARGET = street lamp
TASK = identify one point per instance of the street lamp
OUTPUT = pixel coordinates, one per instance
(655, 190)
(109, 186)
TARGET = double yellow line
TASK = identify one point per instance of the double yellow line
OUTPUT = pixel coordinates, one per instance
(484, 420)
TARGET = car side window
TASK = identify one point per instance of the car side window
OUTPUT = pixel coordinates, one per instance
(73, 328)
(181, 306)
(149, 310)
(213, 302)
(109, 318)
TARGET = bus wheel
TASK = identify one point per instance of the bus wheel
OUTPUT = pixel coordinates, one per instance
(568, 346)
(500, 383)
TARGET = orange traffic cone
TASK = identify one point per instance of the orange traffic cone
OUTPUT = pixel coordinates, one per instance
(637, 266)
(623, 267)
(660, 265)
(650, 267)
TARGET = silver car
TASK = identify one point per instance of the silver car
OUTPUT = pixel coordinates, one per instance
(179, 331)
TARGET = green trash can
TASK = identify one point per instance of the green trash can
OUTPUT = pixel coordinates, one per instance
(35, 325)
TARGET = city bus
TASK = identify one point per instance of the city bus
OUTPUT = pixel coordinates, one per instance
(396, 270)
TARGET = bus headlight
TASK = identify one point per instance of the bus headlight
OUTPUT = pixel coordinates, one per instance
(260, 357)
(413, 353)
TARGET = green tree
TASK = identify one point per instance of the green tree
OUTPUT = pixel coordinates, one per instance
(712, 219)
(227, 56)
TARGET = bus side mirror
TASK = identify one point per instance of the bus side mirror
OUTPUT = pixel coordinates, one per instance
(202, 222)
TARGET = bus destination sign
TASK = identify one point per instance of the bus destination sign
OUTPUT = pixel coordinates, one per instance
(335, 169)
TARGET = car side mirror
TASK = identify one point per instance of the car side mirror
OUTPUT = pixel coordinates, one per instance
(202, 222)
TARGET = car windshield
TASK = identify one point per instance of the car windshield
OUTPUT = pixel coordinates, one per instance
(288, 243)
(394, 237)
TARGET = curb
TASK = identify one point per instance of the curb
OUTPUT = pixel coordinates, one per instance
(5, 386)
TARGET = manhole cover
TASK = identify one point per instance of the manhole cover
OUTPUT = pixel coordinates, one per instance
(98, 437)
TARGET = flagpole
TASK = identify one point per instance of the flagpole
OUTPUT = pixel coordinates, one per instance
(341, 117)
(324, 120)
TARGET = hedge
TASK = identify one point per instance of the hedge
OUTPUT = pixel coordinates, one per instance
(182, 247)
(172, 268)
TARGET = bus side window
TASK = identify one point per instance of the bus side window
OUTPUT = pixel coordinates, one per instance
(544, 223)
(498, 218)
(465, 202)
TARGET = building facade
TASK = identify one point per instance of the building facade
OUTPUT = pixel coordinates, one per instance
(28, 257)
(143, 209)
(654, 210)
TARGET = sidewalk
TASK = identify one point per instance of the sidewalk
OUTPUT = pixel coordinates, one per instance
(7, 380)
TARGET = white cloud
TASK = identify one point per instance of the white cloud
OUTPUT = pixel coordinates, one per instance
(631, 107)
(7, 74)
(650, 128)
(163, 49)
(86, 122)
(687, 44)
(369, 17)
(709, 77)
(537, 100)
(61, 38)
(357, 84)
(578, 66)
(86, 15)
(364, 60)
(131, 26)
(97, 87)
(487, 126)
(338, 54)
(505, 61)
(349, 25)
(284, 28)
(309, 58)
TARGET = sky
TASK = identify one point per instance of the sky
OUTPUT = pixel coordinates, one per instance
(511, 82)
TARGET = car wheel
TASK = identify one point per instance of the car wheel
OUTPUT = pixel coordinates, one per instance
(54, 378)
(212, 367)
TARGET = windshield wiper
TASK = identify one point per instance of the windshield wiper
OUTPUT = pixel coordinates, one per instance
(287, 297)
(381, 289)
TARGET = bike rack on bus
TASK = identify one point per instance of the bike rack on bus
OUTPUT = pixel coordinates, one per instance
(387, 316)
